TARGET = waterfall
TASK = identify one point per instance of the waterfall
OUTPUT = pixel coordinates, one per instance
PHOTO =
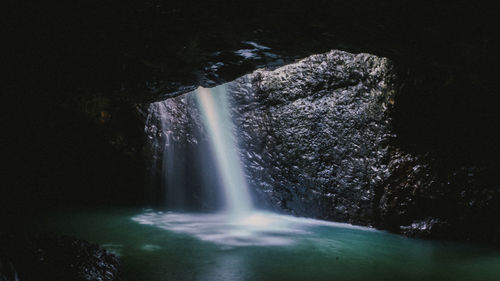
(214, 108)
(196, 165)
(200, 124)
(304, 148)
(166, 159)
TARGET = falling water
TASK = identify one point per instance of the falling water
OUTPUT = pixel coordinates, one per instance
(167, 155)
(205, 114)
(214, 107)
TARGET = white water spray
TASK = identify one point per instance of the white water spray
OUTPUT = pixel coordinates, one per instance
(216, 117)
(241, 224)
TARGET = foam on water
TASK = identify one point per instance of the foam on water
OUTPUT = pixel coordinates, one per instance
(254, 229)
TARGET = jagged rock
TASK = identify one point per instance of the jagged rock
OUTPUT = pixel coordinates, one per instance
(428, 198)
(426, 228)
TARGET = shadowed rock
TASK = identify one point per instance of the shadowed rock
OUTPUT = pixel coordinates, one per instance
(58, 258)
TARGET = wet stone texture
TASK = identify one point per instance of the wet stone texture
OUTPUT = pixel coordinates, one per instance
(183, 174)
(427, 197)
(314, 135)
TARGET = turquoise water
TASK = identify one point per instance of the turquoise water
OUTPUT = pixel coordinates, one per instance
(174, 246)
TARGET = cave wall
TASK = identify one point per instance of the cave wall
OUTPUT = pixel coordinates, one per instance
(71, 151)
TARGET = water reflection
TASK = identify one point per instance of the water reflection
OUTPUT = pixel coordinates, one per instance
(227, 266)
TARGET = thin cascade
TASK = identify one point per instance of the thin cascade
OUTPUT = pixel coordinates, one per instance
(159, 126)
(214, 108)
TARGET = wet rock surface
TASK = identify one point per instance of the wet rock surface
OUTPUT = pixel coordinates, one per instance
(314, 134)
(181, 172)
(49, 257)
(428, 197)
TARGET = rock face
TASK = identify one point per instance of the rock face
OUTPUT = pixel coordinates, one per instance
(316, 139)
(430, 197)
(179, 153)
(314, 134)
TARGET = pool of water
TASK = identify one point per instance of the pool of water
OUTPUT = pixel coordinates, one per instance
(156, 245)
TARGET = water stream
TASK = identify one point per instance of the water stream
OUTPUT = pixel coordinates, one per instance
(237, 223)
(217, 119)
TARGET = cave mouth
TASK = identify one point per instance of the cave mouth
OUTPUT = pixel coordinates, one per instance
(82, 74)
(308, 146)
(197, 229)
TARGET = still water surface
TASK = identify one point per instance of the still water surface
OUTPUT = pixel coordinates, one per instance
(154, 245)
